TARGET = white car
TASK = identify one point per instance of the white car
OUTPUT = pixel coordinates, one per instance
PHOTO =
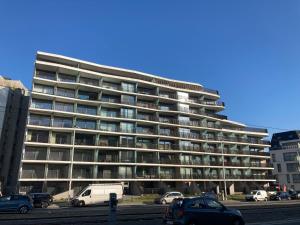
(169, 197)
(257, 195)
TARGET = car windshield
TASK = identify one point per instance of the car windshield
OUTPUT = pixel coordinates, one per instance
(253, 192)
(80, 192)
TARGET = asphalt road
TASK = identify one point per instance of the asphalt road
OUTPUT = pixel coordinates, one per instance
(281, 213)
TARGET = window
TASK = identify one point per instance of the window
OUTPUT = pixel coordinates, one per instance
(62, 122)
(87, 95)
(62, 138)
(292, 167)
(198, 203)
(65, 92)
(38, 136)
(128, 99)
(49, 75)
(86, 124)
(89, 81)
(273, 157)
(184, 120)
(43, 89)
(288, 179)
(109, 112)
(212, 204)
(41, 104)
(127, 141)
(290, 156)
(39, 120)
(61, 106)
(86, 193)
(125, 172)
(127, 127)
(296, 178)
(279, 168)
(66, 78)
(183, 107)
(127, 113)
(128, 87)
(106, 126)
(127, 156)
(87, 109)
(110, 85)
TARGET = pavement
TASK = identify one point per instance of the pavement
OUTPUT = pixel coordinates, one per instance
(254, 213)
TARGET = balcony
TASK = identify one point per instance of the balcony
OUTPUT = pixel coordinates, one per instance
(35, 153)
(38, 136)
(48, 75)
(82, 172)
(85, 139)
(57, 172)
(32, 171)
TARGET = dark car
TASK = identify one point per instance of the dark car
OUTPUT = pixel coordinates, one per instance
(16, 203)
(280, 196)
(42, 200)
(295, 195)
(201, 210)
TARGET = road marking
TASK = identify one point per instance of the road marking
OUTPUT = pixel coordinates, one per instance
(276, 222)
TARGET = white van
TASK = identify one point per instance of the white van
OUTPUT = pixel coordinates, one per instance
(257, 195)
(97, 194)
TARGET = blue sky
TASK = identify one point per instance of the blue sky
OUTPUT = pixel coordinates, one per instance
(248, 50)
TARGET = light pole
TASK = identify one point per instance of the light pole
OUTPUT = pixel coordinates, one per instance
(71, 165)
(224, 174)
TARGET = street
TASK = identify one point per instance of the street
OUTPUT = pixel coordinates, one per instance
(261, 213)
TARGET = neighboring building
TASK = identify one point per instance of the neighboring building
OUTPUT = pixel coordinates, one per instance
(91, 123)
(285, 153)
(14, 101)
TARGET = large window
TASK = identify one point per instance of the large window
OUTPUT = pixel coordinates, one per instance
(65, 92)
(127, 127)
(61, 106)
(128, 87)
(279, 168)
(290, 156)
(127, 141)
(106, 126)
(86, 124)
(39, 120)
(125, 172)
(43, 89)
(292, 167)
(49, 75)
(296, 178)
(62, 138)
(41, 104)
(92, 110)
(38, 136)
(273, 157)
(127, 113)
(66, 78)
(89, 81)
(62, 122)
(109, 112)
(128, 99)
(183, 107)
(85, 95)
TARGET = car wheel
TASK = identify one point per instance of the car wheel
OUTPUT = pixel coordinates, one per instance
(279, 198)
(23, 210)
(81, 203)
(44, 205)
(289, 198)
(163, 202)
(255, 199)
(266, 199)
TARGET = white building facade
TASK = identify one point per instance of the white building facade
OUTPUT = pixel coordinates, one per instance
(90, 123)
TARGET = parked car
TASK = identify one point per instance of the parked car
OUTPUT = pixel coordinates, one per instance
(257, 195)
(95, 194)
(295, 195)
(168, 197)
(280, 196)
(201, 210)
(16, 203)
(42, 200)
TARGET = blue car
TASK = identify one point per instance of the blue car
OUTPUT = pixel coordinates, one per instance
(201, 211)
(16, 203)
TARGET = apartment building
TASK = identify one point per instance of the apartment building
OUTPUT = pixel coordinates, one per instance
(90, 123)
(285, 153)
(14, 100)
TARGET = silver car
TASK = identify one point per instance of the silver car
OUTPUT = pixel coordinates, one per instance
(169, 197)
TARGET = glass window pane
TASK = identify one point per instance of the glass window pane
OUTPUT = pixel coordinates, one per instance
(39, 120)
(65, 92)
(43, 89)
(61, 106)
(41, 104)
(87, 109)
(62, 122)
(66, 78)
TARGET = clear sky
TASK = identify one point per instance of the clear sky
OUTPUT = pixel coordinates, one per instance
(248, 50)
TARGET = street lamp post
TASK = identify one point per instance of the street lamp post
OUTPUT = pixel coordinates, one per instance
(71, 165)
(224, 174)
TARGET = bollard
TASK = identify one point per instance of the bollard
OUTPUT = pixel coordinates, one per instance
(113, 203)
